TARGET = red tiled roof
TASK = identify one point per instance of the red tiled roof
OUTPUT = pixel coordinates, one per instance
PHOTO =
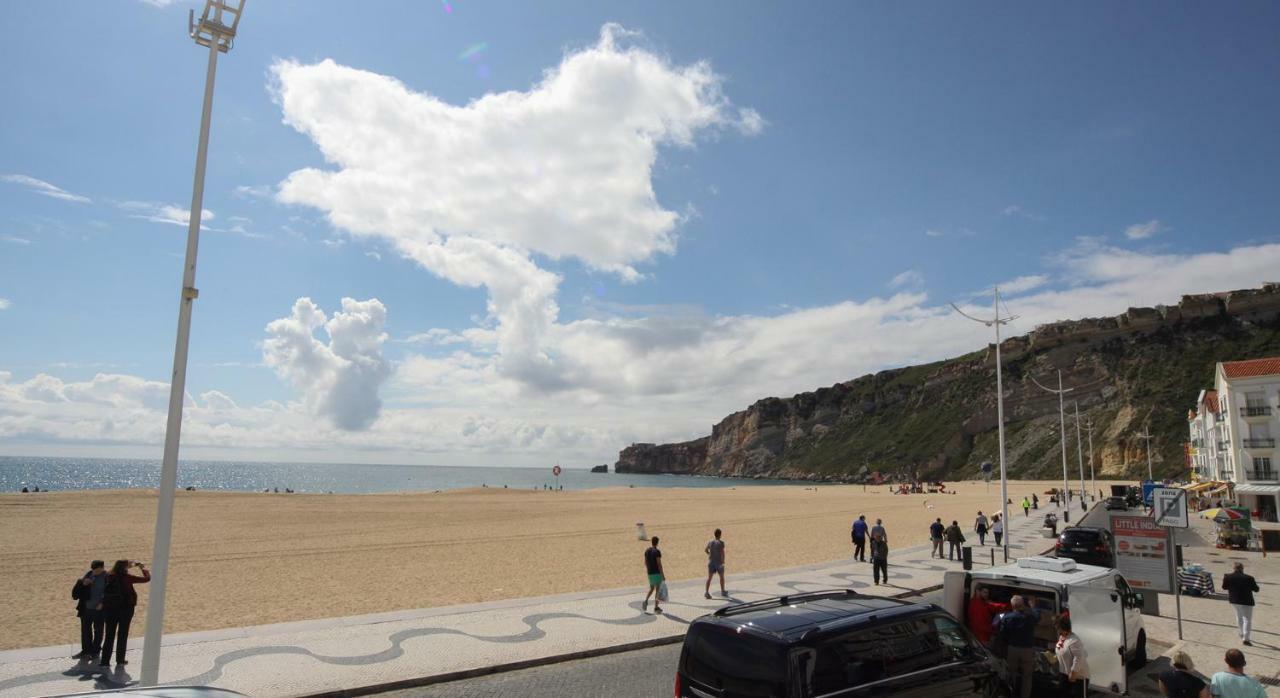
(1252, 369)
(1211, 401)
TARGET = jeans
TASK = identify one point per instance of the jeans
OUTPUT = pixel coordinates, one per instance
(982, 537)
(860, 549)
(1244, 619)
(937, 547)
(117, 625)
(880, 566)
(953, 550)
(91, 631)
(998, 535)
(1022, 662)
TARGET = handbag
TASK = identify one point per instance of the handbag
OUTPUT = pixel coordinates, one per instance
(663, 595)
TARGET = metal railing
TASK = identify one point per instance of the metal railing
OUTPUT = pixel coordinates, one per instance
(1259, 443)
(1261, 474)
(1255, 411)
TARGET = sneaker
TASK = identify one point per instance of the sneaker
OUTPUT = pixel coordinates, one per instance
(1248, 644)
(724, 594)
(656, 609)
(644, 606)
(104, 664)
(80, 655)
(706, 595)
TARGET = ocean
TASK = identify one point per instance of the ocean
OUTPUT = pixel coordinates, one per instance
(17, 472)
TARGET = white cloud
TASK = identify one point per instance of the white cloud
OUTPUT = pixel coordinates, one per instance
(14, 239)
(170, 214)
(910, 277)
(471, 192)
(44, 188)
(260, 191)
(1021, 212)
(934, 233)
(338, 380)
(375, 256)
(1142, 231)
(5, 304)
(1023, 284)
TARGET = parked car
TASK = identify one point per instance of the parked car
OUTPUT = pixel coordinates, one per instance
(1087, 545)
(1104, 611)
(1116, 503)
(835, 642)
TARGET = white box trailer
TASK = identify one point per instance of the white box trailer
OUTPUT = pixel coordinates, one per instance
(1105, 612)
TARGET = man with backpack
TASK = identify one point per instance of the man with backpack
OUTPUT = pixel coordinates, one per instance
(88, 592)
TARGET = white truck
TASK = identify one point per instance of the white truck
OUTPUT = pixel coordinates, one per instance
(1105, 612)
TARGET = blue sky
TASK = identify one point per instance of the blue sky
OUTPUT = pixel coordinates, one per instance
(824, 179)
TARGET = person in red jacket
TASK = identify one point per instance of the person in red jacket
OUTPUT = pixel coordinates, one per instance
(981, 610)
(118, 604)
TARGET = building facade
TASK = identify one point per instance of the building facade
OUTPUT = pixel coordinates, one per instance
(1205, 426)
(1248, 395)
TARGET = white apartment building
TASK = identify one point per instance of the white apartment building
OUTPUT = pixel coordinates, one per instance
(1205, 424)
(1248, 395)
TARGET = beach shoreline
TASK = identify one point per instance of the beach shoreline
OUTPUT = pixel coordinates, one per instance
(252, 558)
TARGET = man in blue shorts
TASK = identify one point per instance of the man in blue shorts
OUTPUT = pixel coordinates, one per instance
(715, 564)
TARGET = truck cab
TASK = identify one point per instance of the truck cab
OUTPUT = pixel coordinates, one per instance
(1105, 612)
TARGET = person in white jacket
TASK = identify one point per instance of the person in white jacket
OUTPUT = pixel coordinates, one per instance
(1073, 661)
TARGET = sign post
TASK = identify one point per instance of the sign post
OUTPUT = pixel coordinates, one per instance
(1169, 509)
(556, 471)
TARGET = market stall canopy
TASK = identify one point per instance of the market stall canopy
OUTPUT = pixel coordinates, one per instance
(1223, 514)
(1250, 488)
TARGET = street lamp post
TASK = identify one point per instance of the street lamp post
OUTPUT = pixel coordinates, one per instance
(1147, 436)
(214, 32)
(1080, 456)
(1093, 480)
(1062, 425)
(996, 322)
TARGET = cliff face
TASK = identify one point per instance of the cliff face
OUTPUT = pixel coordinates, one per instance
(939, 420)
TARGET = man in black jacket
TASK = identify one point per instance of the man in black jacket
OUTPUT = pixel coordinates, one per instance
(88, 591)
(1240, 587)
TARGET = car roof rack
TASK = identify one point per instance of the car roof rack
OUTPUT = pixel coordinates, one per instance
(790, 599)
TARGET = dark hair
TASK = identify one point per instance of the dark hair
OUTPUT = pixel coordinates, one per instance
(955, 523)
(1063, 623)
(717, 533)
(654, 540)
(1235, 659)
(96, 564)
(120, 567)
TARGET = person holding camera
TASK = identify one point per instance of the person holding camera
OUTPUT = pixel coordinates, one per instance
(119, 600)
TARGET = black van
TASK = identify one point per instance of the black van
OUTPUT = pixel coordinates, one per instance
(834, 643)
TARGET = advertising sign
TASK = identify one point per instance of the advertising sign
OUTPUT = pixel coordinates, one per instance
(1142, 552)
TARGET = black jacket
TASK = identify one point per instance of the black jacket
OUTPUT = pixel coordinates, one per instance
(80, 593)
(1239, 587)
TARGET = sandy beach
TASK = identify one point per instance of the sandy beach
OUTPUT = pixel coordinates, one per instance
(251, 558)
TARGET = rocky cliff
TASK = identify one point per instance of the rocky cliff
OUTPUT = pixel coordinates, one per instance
(938, 420)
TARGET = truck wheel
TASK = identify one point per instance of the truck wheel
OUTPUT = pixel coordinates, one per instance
(1140, 654)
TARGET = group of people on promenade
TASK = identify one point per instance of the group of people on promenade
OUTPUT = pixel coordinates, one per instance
(104, 603)
(953, 536)
(656, 576)
(879, 539)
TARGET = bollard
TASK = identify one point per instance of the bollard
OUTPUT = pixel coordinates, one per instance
(966, 557)
(640, 532)
(993, 557)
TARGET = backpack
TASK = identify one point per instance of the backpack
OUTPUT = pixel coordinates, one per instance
(78, 590)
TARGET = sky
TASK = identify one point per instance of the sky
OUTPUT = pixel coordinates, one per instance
(494, 233)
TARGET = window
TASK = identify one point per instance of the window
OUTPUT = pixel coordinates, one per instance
(1255, 400)
(1262, 464)
(882, 652)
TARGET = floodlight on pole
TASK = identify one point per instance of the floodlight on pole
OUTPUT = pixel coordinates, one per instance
(1148, 436)
(996, 322)
(1080, 456)
(1062, 425)
(216, 30)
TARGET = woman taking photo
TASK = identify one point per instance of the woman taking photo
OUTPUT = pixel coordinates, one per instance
(117, 608)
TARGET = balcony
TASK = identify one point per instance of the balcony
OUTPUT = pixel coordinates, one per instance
(1255, 411)
(1259, 443)
(1223, 444)
(1197, 443)
(1261, 474)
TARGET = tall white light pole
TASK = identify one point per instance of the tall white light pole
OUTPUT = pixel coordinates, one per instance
(1062, 424)
(996, 322)
(1147, 436)
(1080, 456)
(213, 31)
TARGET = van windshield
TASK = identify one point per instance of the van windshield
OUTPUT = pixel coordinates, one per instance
(739, 664)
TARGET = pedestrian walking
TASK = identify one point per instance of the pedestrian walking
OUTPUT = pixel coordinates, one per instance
(118, 603)
(954, 538)
(936, 529)
(1035, 501)
(653, 568)
(1026, 507)
(1179, 681)
(1233, 683)
(879, 556)
(878, 530)
(88, 592)
(715, 564)
(981, 610)
(980, 527)
(997, 528)
(859, 533)
(1072, 659)
(1017, 632)
(1240, 588)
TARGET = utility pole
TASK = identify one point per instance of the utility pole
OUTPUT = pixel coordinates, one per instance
(1062, 426)
(1146, 435)
(996, 322)
(1080, 456)
(214, 32)
(1093, 480)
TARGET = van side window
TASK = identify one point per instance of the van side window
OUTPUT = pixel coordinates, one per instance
(880, 652)
(1122, 586)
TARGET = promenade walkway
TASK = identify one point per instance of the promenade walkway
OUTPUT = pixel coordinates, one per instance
(336, 654)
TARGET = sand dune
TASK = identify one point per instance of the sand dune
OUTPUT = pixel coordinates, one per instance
(250, 558)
